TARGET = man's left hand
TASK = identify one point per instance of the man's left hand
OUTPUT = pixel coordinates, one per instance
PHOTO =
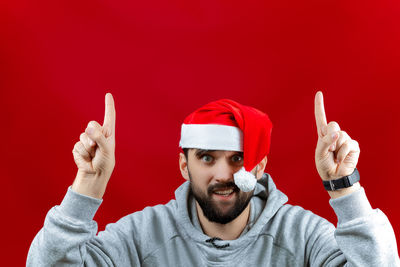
(336, 154)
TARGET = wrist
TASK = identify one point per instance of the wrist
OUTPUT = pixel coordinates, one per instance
(89, 185)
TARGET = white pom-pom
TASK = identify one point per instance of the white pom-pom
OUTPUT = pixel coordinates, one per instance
(245, 180)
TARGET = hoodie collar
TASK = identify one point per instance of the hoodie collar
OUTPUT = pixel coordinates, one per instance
(265, 190)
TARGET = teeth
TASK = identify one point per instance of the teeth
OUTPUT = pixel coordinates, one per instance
(225, 192)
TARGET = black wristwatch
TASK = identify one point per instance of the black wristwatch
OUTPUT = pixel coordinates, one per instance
(343, 182)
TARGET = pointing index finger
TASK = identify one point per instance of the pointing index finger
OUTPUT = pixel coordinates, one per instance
(109, 115)
(320, 117)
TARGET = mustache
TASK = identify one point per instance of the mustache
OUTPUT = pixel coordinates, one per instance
(230, 185)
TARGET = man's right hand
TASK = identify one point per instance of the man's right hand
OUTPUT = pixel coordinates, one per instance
(94, 154)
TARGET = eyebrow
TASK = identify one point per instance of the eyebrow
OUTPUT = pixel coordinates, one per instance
(200, 152)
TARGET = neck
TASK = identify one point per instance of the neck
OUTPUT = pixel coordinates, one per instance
(229, 231)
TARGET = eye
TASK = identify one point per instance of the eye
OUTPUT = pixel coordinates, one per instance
(206, 158)
(237, 158)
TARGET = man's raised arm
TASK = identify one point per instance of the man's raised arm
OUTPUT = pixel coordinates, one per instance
(94, 154)
(68, 237)
(336, 154)
(363, 235)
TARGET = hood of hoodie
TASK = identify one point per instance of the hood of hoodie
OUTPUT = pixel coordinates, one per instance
(265, 190)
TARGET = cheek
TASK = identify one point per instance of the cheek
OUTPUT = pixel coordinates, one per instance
(199, 189)
(202, 175)
(199, 180)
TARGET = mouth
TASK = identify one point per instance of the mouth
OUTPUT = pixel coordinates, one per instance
(224, 193)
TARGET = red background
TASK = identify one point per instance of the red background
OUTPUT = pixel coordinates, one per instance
(163, 59)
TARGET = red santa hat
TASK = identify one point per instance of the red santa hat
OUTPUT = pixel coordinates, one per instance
(228, 125)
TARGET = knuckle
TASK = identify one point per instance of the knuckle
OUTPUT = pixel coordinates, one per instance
(82, 137)
(78, 149)
(96, 136)
(76, 145)
(356, 145)
(344, 149)
(84, 154)
(82, 149)
(96, 132)
(334, 125)
(346, 136)
(347, 143)
(93, 124)
(340, 136)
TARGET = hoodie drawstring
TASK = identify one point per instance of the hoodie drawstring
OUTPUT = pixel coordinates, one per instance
(212, 241)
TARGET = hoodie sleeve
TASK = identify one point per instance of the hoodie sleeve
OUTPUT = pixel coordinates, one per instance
(364, 236)
(68, 237)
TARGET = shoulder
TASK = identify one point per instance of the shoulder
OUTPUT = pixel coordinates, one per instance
(296, 231)
(294, 226)
(161, 216)
(150, 226)
(299, 220)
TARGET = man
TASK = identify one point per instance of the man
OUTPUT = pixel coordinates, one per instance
(228, 213)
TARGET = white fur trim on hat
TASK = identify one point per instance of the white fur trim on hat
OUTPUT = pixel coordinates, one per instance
(245, 180)
(211, 136)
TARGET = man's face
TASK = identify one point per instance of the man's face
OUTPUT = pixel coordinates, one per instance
(211, 182)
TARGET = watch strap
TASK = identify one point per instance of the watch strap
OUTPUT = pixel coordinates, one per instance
(343, 182)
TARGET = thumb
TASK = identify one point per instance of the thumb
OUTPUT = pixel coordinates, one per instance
(95, 133)
(325, 143)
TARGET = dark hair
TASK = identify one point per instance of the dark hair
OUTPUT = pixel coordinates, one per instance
(186, 152)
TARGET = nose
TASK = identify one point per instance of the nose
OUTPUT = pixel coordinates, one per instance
(223, 172)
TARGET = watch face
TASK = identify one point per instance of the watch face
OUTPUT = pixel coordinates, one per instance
(354, 177)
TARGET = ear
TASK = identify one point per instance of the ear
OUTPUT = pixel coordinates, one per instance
(183, 166)
(261, 167)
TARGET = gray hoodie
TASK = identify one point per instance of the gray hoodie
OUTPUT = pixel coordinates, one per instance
(277, 234)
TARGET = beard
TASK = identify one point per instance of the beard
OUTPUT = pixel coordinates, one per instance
(210, 207)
